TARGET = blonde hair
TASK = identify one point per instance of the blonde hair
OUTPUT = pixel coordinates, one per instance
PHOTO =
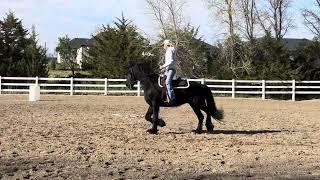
(167, 42)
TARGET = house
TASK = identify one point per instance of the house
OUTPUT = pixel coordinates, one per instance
(82, 45)
(292, 44)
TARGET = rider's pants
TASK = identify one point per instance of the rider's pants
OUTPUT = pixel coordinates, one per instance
(170, 74)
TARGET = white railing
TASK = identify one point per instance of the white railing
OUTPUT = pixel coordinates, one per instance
(11, 85)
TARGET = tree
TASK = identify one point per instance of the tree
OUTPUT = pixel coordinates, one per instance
(232, 52)
(20, 54)
(225, 10)
(67, 53)
(14, 41)
(312, 19)
(115, 48)
(249, 17)
(1, 51)
(272, 60)
(306, 61)
(168, 15)
(35, 61)
(274, 17)
(191, 56)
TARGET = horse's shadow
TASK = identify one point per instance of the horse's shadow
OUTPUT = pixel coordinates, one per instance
(235, 132)
(246, 132)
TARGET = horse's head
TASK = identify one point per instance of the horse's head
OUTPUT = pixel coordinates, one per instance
(137, 72)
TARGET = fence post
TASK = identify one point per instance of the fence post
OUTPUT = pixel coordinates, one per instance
(293, 90)
(0, 85)
(202, 81)
(233, 88)
(263, 89)
(106, 86)
(37, 80)
(138, 89)
(71, 86)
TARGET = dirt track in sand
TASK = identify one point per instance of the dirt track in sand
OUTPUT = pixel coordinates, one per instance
(96, 137)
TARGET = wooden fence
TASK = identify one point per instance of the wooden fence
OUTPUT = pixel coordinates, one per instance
(15, 85)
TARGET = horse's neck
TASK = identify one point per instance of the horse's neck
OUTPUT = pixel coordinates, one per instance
(148, 82)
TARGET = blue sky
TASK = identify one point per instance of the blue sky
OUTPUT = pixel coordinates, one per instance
(81, 18)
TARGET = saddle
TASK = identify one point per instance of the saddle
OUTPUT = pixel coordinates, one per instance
(178, 83)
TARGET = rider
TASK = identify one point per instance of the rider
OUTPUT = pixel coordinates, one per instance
(170, 67)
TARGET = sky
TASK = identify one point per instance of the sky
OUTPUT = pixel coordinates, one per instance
(82, 18)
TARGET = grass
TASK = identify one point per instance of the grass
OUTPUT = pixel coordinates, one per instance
(66, 73)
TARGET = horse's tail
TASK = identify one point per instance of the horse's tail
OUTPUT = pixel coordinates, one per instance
(217, 114)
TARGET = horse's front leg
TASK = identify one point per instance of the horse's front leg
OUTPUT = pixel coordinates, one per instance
(148, 117)
(155, 118)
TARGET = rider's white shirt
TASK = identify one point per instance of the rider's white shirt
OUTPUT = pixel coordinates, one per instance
(170, 58)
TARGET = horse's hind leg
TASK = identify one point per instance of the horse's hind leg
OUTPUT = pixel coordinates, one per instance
(148, 117)
(200, 118)
(209, 124)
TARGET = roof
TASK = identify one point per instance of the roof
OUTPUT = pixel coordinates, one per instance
(292, 44)
(81, 42)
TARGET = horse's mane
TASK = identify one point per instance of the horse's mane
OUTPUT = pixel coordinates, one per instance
(144, 69)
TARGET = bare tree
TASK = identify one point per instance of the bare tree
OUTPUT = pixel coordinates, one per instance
(168, 16)
(275, 18)
(247, 10)
(312, 19)
(227, 11)
(157, 10)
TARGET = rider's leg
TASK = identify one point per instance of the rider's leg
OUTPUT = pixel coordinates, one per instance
(170, 74)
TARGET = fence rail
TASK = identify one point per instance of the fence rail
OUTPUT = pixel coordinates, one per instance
(14, 85)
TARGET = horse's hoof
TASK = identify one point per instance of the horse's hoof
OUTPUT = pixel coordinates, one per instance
(162, 123)
(210, 129)
(197, 131)
(152, 131)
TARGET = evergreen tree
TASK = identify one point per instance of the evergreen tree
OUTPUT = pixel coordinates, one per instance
(20, 55)
(271, 60)
(115, 48)
(14, 42)
(217, 66)
(306, 61)
(35, 61)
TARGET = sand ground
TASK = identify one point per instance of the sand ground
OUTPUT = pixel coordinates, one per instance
(98, 137)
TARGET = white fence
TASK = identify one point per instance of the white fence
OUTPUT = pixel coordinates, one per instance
(12, 85)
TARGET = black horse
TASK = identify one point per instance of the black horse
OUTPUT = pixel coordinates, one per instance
(197, 95)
